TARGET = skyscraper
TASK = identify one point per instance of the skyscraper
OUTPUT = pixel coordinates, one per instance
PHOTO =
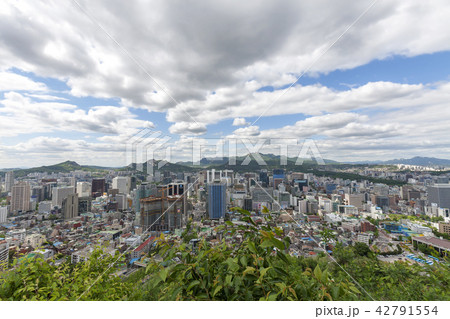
(20, 197)
(98, 187)
(9, 181)
(60, 193)
(439, 194)
(84, 189)
(122, 183)
(217, 204)
(70, 206)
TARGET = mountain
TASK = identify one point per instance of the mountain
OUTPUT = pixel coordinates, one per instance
(64, 167)
(268, 158)
(418, 161)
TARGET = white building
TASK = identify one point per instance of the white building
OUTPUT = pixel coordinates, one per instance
(84, 189)
(364, 238)
(122, 183)
(3, 214)
(19, 235)
(9, 181)
(333, 218)
(34, 240)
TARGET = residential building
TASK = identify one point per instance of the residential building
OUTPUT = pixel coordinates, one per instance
(9, 181)
(4, 255)
(34, 240)
(444, 228)
(3, 214)
(70, 206)
(20, 197)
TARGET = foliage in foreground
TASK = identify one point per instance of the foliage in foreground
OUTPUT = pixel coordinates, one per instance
(36, 279)
(257, 268)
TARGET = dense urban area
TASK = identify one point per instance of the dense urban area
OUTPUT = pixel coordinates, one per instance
(334, 232)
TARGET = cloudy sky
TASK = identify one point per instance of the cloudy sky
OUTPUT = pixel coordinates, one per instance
(364, 79)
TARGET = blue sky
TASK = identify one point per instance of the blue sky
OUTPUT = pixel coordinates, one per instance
(73, 93)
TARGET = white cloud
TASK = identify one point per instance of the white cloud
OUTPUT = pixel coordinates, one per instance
(10, 81)
(199, 48)
(21, 115)
(240, 121)
(211, 59)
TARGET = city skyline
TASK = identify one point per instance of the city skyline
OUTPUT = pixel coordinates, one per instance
(76, 85)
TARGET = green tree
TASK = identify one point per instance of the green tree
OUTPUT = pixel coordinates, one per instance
(361, 249)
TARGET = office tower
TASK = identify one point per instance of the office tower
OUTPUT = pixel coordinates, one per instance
(122, 201)
(356, 200)
(38, 193)
(60, 193)
(122, 183)
(264, 178)
(225, 176)
(20, 197)
(98, 187)
(217, 204)
(84, 204)
(133, 183)
(439, 194)
(302, 184)
(9, 181)
(176, 188)
(70, 206)
(84, 189)
(381, 189)
(248, 204)
(4, 255)
(278, 177)
(3, 214)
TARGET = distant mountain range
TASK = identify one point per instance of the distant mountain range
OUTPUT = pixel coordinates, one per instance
(418, 161)
(272, 161)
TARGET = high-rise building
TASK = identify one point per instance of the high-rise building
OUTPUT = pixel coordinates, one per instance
(162, 213)
(225, 176)
(122, 183)
(248, 204)
(3, 214)
(278, 177)
(98, 187)
(84, 189)
(264, 178)
(4, 255)
(9, 181)
(60, 193)
(38, 193)
(20, 197)
(84, 204)
(217, 197)
(439, 194)
(356, 200)
(70, 206)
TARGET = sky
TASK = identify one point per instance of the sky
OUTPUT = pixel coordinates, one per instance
(97, 82)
